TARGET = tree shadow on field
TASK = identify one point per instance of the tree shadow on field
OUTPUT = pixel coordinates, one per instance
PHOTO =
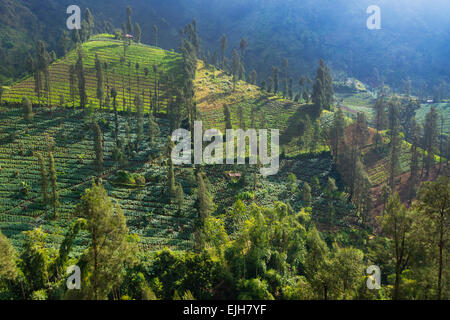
(173, 66)
(104, 47)
(214, 97)
(294, 126)
(72, 136)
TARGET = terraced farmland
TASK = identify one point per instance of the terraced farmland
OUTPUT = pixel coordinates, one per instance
(214, 90)
(377, 166)
(67, 132)
(352, 103)
(123, 75)
(148, 212)
(443, 109)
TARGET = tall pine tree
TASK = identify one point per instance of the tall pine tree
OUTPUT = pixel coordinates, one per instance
(54, 185)
(323, 88)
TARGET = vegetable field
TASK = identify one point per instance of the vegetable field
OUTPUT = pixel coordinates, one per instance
(69, 137)
(150, 214)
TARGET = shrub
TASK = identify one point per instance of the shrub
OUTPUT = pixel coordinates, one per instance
(247, 195)
(61, 100)
(12, 136)
(39, 295)
(124, 177)
(27, 109)
(24, 188)
(140, 179)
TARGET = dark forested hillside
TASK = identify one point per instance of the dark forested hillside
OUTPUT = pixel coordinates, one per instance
(412, 38)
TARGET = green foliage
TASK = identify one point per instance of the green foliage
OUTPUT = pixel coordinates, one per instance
(139, 179)
(181, 272)
(24, 188)
(204, 206)
(430, 138)
(66, 246)
(247, 195)
(227, 115)
(293, 183)
(137, 33)
(110, 245)
(348, 266)
(215, 235)
(396, 224)
(171, 188)
(306, 194)
(53, 183)
(98, 146)
(8, 260)
(330, 188)
(253, 289)
(79, 67)
(27, 109)
(125, 177)
(431, 228)
(136, 286)
(179, 197)
(99, 73)
(323, 88)
(154, 130)
(39, 295)
(35, 260)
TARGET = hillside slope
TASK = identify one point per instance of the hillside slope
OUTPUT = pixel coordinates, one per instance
(122, 75)
(251, 107)
(150, 214)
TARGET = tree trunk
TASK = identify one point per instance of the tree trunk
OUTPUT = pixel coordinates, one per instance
(441, 246)
(396, 284)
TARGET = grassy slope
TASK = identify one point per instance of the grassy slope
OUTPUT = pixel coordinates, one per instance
(214, 89)
(119, 76)
(352, 103)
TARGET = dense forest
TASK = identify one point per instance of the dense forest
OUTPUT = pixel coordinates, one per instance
(93, 205)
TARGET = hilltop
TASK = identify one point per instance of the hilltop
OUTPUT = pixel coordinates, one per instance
(136, 72)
